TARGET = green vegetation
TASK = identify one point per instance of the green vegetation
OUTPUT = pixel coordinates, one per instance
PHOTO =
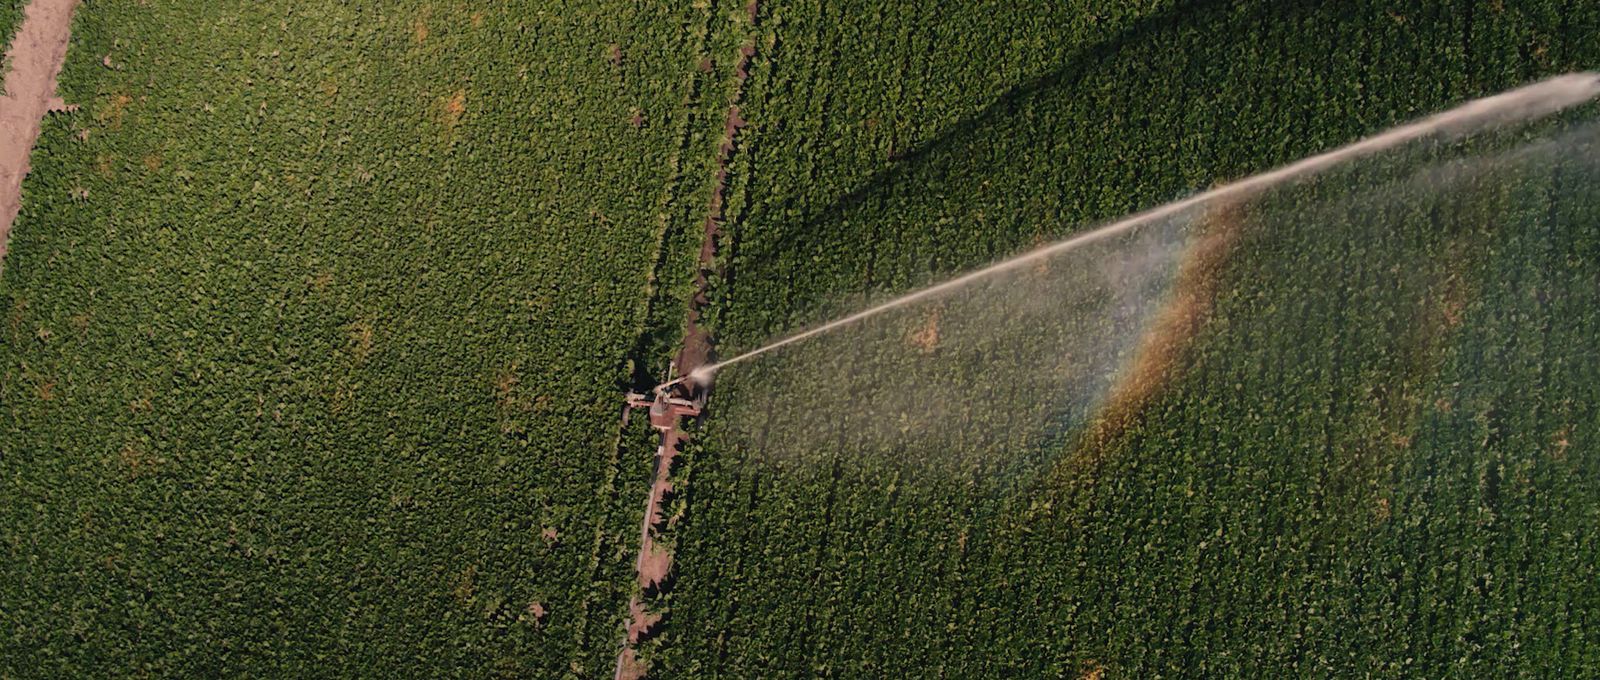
(1231, 529)
(317, 315)
(315, 320)
(10, 17)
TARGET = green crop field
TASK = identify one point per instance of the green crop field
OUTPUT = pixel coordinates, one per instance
(317, 318)
(10, 16)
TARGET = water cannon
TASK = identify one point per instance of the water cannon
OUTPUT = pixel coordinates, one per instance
(681, 397)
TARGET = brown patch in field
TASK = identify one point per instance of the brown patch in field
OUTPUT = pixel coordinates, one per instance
(614, 54)
(321, 281)
(655, 562)
(1453, 293)
(136, 459)
(114, 111)
(1380, 510)
(549, 535)
(1560, 442)
(360, 333)
(629, 667)
(505, 386)
(637, 119)
(477, 19)
(1092, 670)
(340, 398)
(19, 308)
(466, 584)
(1541, 50)
(419, 26)
(140, 405)
(43, 334)
(536, 613)
(452, 109)
(103, 166)
(329, 88)
(46, 388)
(926, 337)
(80, 322)
(641, 621)
(705, 65)
(1444, 405)
(152, 161)
(1042, 267)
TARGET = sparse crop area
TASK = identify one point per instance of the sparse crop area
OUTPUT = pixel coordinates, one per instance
(318, 315)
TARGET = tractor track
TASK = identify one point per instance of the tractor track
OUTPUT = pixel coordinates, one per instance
(654, 562)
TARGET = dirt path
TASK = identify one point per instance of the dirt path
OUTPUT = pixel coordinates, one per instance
(654, 562)
(34, 59)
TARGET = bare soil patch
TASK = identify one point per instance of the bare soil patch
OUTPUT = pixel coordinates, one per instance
(926, 338)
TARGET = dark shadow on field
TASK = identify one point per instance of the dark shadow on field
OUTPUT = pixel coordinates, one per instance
(1176, 102)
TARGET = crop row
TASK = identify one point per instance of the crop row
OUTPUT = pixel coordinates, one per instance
(1370, 458)
(315, 316)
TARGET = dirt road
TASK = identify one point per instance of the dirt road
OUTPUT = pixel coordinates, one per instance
(34, 59)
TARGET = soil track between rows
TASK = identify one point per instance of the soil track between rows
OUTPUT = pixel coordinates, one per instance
(34, 60)
(654, 563)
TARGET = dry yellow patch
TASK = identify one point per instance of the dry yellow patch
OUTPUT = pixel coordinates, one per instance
(465, 584)
(1560, 443)
(1093, 670)
(152, 162)
(419, 26)
(505, 386)
(136, 459)
(104, 166)
(340, 398)
(360, 339)
(114, 110)
(926, 338)
(19, 308)
(452, 109)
